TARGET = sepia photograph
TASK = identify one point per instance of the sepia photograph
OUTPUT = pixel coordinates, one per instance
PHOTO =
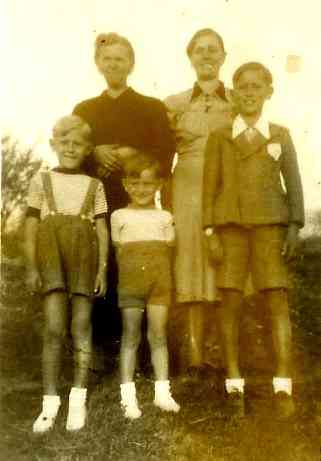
(160, 230)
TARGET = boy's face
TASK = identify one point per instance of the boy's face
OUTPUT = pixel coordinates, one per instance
(71, 149)
(251, 91)
(142, 190)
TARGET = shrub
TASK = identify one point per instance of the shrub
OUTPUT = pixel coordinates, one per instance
(18, 166)
(306, 272)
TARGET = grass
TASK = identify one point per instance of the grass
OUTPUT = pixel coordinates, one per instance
(200, 431)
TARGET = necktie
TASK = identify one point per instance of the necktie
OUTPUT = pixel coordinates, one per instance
(250, 134)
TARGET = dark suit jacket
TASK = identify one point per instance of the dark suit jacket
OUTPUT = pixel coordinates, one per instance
(242, 180)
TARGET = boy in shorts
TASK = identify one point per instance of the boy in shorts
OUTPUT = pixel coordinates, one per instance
(251, 223)
(66, 249)
(143, 236)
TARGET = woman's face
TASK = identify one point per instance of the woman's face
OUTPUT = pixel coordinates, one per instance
(115, 64)
(207, 57)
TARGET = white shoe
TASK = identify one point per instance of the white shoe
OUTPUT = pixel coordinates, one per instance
(77, 409)
(163, 397)
(46, 419)
(129, 401)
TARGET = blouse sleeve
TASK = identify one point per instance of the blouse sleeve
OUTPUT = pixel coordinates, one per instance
(163, 144)
(169, 229)
(100, 202)
(115, 228)
(171, 112)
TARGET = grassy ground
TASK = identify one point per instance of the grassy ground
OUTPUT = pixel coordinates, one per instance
(200, 431)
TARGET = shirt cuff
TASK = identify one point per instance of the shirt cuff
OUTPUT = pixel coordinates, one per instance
(33, 212)
(100, 215)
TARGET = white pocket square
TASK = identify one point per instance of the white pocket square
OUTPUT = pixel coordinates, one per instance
(275, 150)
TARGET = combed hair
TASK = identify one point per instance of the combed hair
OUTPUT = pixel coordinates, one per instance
(103, 40)
(64, 125)
(141, 162)
(201, 33)
(256, 66)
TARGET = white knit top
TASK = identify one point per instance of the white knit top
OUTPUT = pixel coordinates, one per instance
(69, 192)
(136, 225)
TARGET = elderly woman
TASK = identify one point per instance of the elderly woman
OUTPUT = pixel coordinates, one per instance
(194, 114)
(121, 118)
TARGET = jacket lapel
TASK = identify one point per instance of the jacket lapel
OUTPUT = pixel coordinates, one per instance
(275, 134)
(249, 148)
(246, 148)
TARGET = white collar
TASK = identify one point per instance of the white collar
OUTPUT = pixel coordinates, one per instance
(239, 125)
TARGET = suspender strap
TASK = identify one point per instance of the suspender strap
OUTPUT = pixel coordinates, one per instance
(47, 187)
(90, 196)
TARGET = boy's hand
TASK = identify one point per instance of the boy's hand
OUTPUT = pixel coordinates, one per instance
(215, 248)
(33, 280)
(291, 242)
(100, 284)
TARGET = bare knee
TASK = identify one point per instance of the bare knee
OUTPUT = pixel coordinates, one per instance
(55, 305)
(54, 333)
(81, 329)
(277, 301)
(131, 338)
(156, 339)
(229, 311)
(130, 341)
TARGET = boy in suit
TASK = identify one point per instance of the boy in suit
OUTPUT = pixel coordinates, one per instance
(251, 224)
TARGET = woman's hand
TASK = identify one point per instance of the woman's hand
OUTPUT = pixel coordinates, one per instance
(106, 155)
(215, 249)
(33, 280)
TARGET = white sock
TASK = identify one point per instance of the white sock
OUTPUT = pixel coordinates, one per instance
(78, 395)
(129, 400)
(46, 419)
(234, 385)
(282, 385)
(163, 397)
(77, 412)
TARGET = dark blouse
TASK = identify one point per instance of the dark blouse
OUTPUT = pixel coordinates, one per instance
(131, 119)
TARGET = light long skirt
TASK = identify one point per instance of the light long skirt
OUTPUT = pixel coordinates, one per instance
(194, 274)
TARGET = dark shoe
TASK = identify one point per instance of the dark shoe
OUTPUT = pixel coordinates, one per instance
(235, 406)
(193, 374)
(284, 405)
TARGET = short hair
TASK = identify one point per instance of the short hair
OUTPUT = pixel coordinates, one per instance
(256, 66)
(142, 162)
(201, 33)
(69, 123)
(103, 40)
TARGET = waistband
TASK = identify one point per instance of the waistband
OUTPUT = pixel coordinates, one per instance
(146, 247)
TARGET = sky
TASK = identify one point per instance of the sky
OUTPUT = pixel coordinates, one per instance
(48, 60)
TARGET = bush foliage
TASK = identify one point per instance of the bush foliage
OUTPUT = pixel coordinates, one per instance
(18, 166)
